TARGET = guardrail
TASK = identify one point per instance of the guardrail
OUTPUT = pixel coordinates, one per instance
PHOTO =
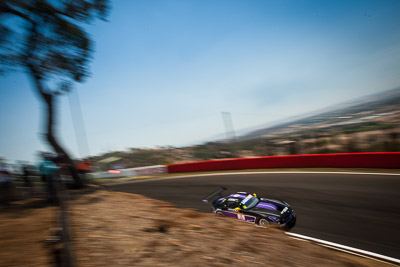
(384, 160)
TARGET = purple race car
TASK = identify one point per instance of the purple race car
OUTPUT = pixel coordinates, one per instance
(250, 208)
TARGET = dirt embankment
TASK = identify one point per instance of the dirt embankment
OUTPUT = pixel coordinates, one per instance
(118, 229)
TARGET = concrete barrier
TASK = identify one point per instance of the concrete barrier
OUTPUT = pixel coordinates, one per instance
(385, 160)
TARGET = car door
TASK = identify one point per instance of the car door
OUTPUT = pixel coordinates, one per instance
(233, 204)
(229, 207)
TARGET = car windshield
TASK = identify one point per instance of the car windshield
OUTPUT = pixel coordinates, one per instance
(249, 202)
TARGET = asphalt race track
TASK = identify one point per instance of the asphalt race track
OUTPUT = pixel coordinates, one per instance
(357, 210)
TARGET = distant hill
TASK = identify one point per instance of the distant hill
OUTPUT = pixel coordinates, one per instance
(348, 112)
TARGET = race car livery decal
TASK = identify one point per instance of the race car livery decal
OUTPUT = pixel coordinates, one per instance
(273, 200)
(267, 206)
(247, 199)
(267, 213)
(237, 196)
(240, 216)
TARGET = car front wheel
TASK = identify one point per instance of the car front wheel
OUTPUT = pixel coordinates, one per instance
(263, 223)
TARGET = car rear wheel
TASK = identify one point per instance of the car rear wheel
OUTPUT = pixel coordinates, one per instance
(219, 214)
(263, 223)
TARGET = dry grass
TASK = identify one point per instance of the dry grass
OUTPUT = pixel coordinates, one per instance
(119, 229)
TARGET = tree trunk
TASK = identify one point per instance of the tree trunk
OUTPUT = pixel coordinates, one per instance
(50, 136)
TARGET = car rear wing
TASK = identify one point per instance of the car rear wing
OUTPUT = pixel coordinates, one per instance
(214, 195)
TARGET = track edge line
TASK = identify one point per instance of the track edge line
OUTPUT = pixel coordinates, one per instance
(347, 249)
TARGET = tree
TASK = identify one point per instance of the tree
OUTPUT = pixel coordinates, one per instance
(47, 40)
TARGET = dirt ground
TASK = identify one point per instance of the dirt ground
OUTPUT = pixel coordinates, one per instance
(119, 229)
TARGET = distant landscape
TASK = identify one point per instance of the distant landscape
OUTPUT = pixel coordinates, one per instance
(368, 124)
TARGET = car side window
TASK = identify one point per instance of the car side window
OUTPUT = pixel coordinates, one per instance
(233, 204)
(224, 204)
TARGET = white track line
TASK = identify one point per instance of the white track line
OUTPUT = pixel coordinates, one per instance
(347, 249)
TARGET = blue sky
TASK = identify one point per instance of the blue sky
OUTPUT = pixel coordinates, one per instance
(164, 70)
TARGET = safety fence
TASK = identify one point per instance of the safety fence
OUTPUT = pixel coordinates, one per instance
(385, 160)
(131, 172)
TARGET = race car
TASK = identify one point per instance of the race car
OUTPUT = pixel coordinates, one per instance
(248, 207)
